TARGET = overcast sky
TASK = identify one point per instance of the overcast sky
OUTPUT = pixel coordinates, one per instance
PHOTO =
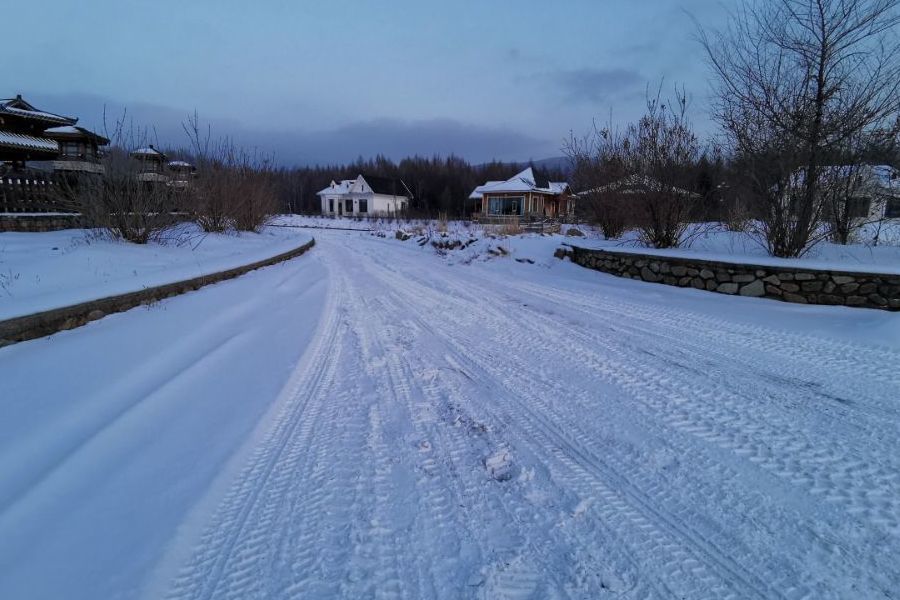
(327, 81)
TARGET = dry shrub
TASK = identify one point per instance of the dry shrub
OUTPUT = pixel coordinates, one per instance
(233, 188)
(511, 228)
(124, 203)
(254, 199)
(736, 215)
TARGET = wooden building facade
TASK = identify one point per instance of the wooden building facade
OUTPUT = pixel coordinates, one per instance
(525, 196)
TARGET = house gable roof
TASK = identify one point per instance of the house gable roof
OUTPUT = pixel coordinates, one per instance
(18, 141)
(67, 132)
(335, 188)
(18, 107)
(525, 181)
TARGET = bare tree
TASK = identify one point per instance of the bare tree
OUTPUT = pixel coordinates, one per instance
(795, 80)
(640, 178)
(597, 161)
(662, 150)
(233, 188)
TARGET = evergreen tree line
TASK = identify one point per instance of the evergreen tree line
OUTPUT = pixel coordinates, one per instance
(439, 185)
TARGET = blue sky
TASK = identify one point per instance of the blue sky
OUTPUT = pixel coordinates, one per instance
(327, 81)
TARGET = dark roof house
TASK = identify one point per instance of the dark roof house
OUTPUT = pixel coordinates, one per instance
(22, 128)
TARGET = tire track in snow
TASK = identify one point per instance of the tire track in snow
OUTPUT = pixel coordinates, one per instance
(592, 476)
(539, 551)
(866, 484)
(441, 487)
(820, 356)
(486, 301)
(237, 534)
(382, 415)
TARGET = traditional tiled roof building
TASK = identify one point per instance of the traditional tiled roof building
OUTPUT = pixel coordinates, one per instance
(22, 128)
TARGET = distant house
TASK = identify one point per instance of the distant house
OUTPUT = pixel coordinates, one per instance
(181, 174)
(80, 149)
(523, 196)
(875, 192)
(151, 165)
(367, 195)
(885, 199)
(22, 128)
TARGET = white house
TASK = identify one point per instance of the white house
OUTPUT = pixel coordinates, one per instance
(874, 189)
(367, 195)
(877, 196)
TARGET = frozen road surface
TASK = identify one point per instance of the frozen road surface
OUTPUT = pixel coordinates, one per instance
(383, 424)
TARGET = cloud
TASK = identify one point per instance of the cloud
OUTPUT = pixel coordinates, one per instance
(598, 85)
(394, 138)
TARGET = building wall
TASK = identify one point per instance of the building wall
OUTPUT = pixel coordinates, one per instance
(533, 204)
(377, 204)
(383, 204)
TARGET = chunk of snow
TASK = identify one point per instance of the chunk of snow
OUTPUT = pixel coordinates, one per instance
(499, 465)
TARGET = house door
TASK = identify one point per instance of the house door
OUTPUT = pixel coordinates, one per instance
(340, 208)
(551, 208)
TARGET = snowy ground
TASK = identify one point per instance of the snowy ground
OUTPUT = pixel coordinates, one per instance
(710, 241)
(479, 428)
(40, 271)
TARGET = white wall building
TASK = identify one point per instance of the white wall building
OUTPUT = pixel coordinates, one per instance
(367, 195)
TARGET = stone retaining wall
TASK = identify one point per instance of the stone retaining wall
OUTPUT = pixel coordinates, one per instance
(48, 322)
(39, 223)
(789, 284)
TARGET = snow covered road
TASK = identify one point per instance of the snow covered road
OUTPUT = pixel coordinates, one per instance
(503, 430)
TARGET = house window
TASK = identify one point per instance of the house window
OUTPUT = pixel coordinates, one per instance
(363, 206)
(506, 205)
(348, 206)
(858, 208)
(331, 205)
(892, 209)
(70, 148)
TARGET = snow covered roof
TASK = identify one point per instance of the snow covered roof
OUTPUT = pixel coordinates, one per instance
(477, 193)
(20, 108)
(149, 152)
(65, 129)
(337, 188)
(635, 184)
(380, 185)
(526, 181)
(180, 164)
(19, 141)
(75, 131)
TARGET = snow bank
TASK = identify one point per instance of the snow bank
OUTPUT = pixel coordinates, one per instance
(42, 271)
(111, 433)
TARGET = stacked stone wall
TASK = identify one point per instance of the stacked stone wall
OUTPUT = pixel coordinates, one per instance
(789, 284)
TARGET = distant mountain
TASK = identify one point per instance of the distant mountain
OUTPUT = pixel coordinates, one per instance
(557, 162)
